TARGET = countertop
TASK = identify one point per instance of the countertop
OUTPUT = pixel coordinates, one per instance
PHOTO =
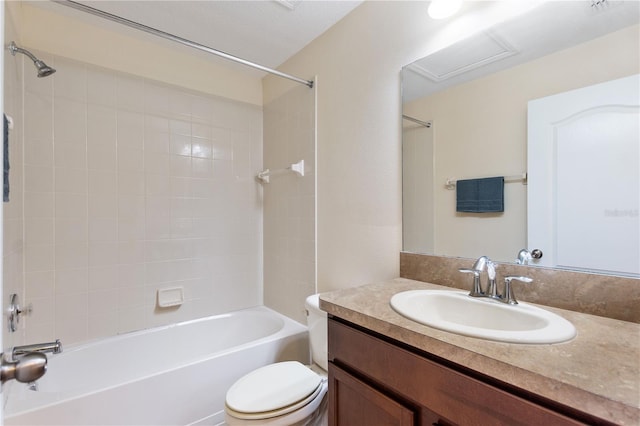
(597, 372)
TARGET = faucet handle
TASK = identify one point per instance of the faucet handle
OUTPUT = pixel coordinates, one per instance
(477, 289)
(508, 296)
(492, 289)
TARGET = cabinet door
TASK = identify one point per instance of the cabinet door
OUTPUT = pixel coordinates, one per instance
(455, 396)
(354, 403)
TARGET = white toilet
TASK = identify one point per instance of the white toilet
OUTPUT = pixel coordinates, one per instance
(285, 393)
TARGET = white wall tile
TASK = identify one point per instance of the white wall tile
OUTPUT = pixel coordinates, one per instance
(69, 205)
(39, 257)
(129, 187)
(39, 230)
(102, 157)
(131, 183)
(130, 130)
(102, 324)
(70, 118)
(101, 87)
(38, 179)
(38, 152)
(71, 255)
(103, 229)
(103, 205)
(70, 155)
(74, 280)
(38, 204)
(71, 230)
(70, 180)
(129, 158)
(103, 253)
(103, 277)
(130, 92)
(71, 80)
(102, 182)
(40, 284)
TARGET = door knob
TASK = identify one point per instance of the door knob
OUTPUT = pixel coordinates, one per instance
(29, 368)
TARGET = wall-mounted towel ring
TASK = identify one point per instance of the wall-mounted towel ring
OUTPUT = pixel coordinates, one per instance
(297, 168)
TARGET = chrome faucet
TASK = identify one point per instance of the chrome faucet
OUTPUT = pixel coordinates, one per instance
(478, 267)
(51, 347)
(524, 257)
(492, 288)
(507, 295)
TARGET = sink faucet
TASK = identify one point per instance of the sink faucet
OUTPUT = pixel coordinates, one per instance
(507, 295)
(478, 267)
(492, 289)
(524, 257)
(51, 347)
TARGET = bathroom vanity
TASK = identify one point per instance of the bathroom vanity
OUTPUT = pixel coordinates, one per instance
(387, 369)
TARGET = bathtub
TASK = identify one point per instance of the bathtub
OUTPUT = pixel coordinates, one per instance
(172, 375)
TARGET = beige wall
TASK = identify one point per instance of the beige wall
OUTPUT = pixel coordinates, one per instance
(289, 202)
(481, 130)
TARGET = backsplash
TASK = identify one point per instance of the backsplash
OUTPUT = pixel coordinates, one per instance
(602, 295)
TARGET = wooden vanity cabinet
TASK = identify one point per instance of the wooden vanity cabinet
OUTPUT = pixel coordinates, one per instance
(374, 381)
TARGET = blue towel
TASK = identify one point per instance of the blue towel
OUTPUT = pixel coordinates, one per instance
(5, 175)
(480, 195)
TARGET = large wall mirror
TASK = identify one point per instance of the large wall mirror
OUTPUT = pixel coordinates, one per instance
(465, 116)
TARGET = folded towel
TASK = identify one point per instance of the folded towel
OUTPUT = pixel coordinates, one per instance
(5, 175)
(480, 195)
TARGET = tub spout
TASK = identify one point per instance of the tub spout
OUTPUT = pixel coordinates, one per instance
(51, 347)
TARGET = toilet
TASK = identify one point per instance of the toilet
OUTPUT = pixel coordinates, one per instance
(285, 393)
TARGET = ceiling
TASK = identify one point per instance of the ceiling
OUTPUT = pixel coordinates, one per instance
(267, 32)
(547, 27)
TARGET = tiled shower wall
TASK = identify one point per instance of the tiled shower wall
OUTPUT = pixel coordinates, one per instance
(289, 202)
(131, 186)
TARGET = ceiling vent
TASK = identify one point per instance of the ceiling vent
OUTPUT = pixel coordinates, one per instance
(289, 4)
(463, 56)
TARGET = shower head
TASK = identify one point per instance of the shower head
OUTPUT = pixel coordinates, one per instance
(44, 70)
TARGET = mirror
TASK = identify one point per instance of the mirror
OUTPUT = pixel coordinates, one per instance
(465, 116)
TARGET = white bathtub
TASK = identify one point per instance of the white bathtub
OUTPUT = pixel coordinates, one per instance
(173, 375)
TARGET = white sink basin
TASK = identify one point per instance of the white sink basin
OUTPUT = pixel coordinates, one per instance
(457, 312)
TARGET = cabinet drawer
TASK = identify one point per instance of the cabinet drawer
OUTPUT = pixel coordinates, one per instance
(449, 393)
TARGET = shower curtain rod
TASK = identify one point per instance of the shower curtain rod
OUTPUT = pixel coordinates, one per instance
(169, 36)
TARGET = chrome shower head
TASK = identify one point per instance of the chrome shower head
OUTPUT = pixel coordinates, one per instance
(43, 69)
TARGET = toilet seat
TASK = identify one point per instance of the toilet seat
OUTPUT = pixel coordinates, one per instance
(276, 413)
(274, 390)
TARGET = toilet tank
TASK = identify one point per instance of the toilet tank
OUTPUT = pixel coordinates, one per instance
(317, 323)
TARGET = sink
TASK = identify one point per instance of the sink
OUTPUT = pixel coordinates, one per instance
(459, 313)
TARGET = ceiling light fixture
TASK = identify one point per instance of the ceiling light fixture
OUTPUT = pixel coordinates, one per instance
(441, 9)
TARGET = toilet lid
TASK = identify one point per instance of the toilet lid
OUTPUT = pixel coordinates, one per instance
(272, 387)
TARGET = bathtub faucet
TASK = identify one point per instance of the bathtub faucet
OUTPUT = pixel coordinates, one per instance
(51, 347)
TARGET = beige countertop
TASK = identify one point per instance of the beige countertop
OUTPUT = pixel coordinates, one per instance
(598, 372)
